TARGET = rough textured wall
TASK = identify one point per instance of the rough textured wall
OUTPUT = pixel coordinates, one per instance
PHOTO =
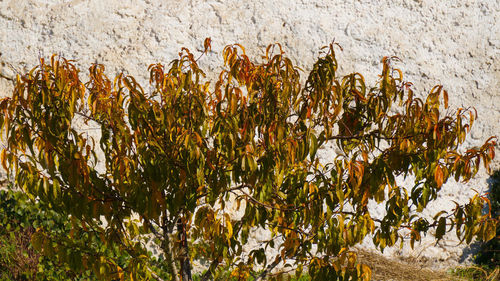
(454, 43)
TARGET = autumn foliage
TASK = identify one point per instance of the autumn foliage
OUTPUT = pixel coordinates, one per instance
(177, 160)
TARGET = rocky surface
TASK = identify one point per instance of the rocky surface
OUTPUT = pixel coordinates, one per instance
(453, 43)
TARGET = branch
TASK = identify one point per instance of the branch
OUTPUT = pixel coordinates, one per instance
(269, 268)
(253, 200)
(155, 232)
(299, 231)
(208, 273)
(371, 134)
(155, 276)
(91, 119)
(239, 187)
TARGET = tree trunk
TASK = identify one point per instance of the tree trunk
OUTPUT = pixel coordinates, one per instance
(184, 251)
(167, 249)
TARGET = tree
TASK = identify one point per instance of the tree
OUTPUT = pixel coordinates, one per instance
(181, 155)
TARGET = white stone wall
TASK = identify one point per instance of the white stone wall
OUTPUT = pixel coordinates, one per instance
(453, 43)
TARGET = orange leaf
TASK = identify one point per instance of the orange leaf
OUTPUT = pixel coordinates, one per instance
(445, 96)
(438, 176)
(3, 159)
(207, 44)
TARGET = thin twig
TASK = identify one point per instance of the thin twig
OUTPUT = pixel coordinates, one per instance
(269, 268)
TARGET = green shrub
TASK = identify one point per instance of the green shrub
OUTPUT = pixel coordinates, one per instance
(20, 218)
(476, 273)
(489, 253)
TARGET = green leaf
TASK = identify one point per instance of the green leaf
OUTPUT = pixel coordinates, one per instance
(313, 146)
(37, 240)
(489, 231)
(441, 228)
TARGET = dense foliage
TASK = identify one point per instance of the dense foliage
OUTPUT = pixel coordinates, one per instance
(17, 260)
(489, 253)
(27, 255)
(19, 219)
(200, 166)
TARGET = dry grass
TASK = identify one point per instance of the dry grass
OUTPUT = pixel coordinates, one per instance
(386, 269)
(390, 269)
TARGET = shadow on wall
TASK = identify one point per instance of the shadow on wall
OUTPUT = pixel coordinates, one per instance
(488, 253)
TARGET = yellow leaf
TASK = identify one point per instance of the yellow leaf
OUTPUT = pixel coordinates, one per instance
(351, 260)
(3, 159)
(306, 186)
(312, 188)
(120, 272)
(228, 226)
(367, 272)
